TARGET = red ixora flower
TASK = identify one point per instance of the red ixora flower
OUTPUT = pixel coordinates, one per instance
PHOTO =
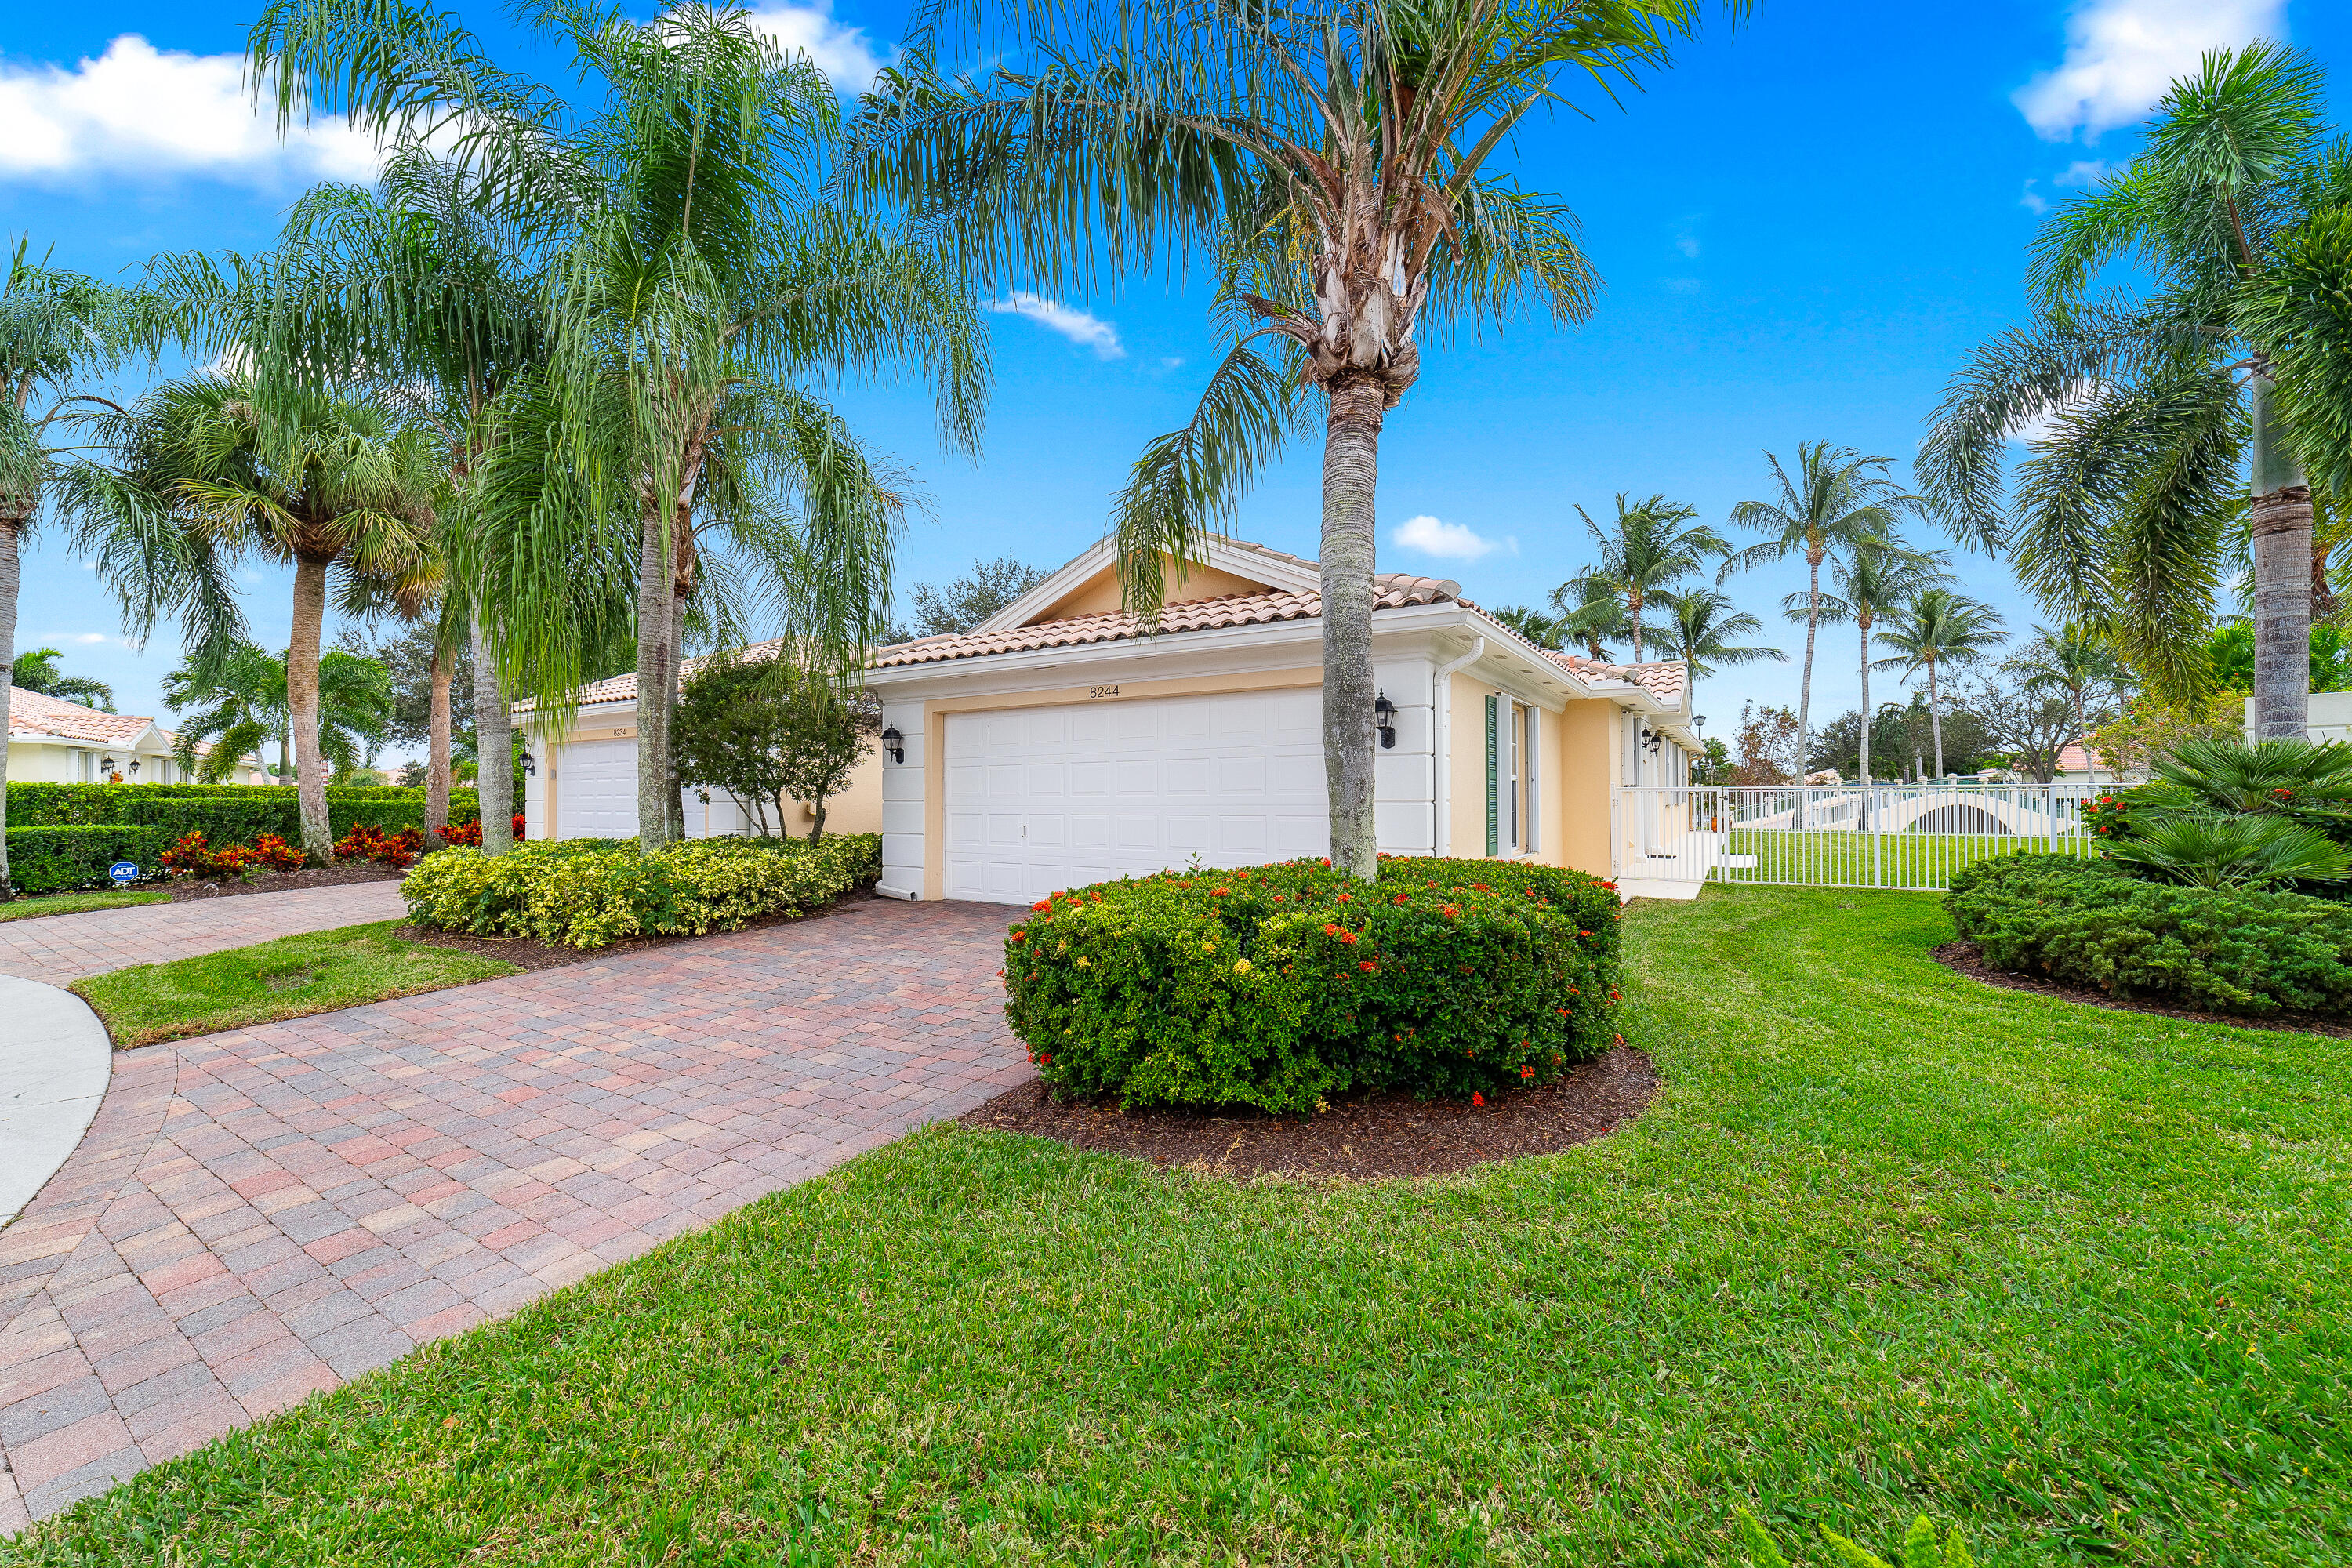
(1613, 996)
(1349, 937)
(1347, 898)
(1402, 898)
(1330, 929)
(1042, 905)
(1477, 1098)
(1526, 1072)
(1368, 966)
(1219, 892)
(1021, 936)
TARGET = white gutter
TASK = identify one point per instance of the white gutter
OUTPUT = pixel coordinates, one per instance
(1441, 757)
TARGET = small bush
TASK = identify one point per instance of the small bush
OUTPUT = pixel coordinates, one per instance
(58, 858)
(272, 853)
(588, 896)
(469, 835)
(368, 842)
(32, 805)
(1279, 985)
(2226, 950)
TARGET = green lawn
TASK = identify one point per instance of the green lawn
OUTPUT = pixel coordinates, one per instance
(317, 971)
(79, 903)
(1873, 859)
(2077, 1280)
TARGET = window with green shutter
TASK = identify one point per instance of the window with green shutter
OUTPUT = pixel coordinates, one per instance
(1494, 774)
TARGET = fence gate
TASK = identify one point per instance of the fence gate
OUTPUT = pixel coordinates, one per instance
(1897, 836)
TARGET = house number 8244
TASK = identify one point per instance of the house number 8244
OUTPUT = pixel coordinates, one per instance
(1102, 690)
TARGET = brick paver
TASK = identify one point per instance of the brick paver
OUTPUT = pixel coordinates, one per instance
(257, 1215)
(61, 948)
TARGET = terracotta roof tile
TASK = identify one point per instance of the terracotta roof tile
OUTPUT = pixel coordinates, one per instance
(33, 713)
(1663, 680)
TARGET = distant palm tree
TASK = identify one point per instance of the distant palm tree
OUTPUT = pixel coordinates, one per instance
(240, 696)
(35, 669)
(1544, 631)
(1936, 627)
(1590, 612)
(1837, 499)
(1649, 548)
(2075, 661)
(1870, 577)
(1700, 630)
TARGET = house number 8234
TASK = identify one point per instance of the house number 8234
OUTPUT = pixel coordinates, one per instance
(1102, 690)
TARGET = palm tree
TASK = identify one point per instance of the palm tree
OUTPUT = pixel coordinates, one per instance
(1652, 546)
(1590, 612)
(2154, 440)
(1332, 156)
(58, 332)
(35, 669)
(1837, 500)
(211, 468)
(240, 699)
(1700, 630)
(2075, 661)
(1544, 631)
(693, 288)
(1936, 627)
(1869, 577)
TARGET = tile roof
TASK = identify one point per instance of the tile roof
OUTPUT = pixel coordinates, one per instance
(1663, 680)
(34, 713)
(1390, 590)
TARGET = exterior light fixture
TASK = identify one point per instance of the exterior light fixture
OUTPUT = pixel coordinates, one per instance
(895, 743)
(1650, 739)
(530, 763)
(1384, 717)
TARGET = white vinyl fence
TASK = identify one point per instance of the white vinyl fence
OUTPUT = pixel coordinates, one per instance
(1898, 835)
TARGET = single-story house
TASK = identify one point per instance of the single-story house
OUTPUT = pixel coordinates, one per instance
(1057, 744)
(52, 741)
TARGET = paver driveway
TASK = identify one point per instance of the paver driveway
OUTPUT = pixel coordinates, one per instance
(260, 1214)
(62, 948)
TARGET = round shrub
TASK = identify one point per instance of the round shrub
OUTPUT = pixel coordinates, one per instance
(1279, 985)
(2225, 950)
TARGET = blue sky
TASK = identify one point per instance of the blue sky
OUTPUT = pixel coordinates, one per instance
(1801, 228)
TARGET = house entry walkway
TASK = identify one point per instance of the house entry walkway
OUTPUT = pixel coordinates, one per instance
(58, 948)
(264, 1213)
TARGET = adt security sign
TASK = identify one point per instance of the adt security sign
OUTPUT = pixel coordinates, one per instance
(124, 872)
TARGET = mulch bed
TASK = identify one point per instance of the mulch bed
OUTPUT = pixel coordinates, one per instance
(1375, 1136)
(1962, 958)
(281, 881)
(528, 952)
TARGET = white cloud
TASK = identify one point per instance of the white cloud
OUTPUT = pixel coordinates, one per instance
(2121, 55)
(2028, 432)
(2082, 171)
(844, 54)
(1088, 331)
(2034, 201)
(140, 110)
(1453, 541)
(88, 639)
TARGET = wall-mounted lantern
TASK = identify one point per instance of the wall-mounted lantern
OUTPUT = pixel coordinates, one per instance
(895, 743)
(1384, 716)
(530, 763)
(1650, 740)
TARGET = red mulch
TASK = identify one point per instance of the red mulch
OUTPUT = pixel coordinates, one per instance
(281, 881)
(530, 952)
(1367, 1137)
(1962, 958)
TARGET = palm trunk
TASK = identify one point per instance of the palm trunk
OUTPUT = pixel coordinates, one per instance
(11, 569)
(1635, 600)
(676, 799)
(436, 754)
(1936, 719)
(2082, 731)
(1805, 687)
(2282, 578)
(1350, 473)
(1864, 621)
(655, 679)
(493, 750)
(302, 707)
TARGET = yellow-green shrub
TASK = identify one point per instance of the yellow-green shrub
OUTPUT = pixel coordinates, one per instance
(590, 896)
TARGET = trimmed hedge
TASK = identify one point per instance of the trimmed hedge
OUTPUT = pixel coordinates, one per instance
(588, 895)
(66, 804)
(1279, 985)
(58, 859)
(2087, 923)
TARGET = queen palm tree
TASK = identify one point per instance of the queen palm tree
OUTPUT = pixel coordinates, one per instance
(1936, 628)
(35, 669)
(210, 469)
(1868, 578)
(695, 293)
(1650, 547)
(1836, 499)
(2162, 415)
(1589, 611)
(60, 332)
(2076, 662)
(1698, 631)
(1333, 157)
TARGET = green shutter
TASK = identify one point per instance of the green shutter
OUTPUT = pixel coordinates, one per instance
(1493, 777)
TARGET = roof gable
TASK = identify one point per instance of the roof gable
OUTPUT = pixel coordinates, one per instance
(1088, 585)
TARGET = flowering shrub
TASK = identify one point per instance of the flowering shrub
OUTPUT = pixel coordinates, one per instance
(1278, 985)
(369, 842)
(469, 835)
(590, 895)
(2086, 923)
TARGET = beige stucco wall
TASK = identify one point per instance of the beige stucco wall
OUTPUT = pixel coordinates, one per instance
(1099, 595)
(1465, 767)
(1585, 761)
(858, 807)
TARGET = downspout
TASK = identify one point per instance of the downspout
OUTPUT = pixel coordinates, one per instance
(1442, 755)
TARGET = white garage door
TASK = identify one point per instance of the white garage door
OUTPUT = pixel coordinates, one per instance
(596, 789)
(1043, 798)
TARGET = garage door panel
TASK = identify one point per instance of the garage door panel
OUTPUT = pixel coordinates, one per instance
(1089, 830)
(1243, 775)
(1090, 781)
(1295, 776)
(1187, 834)
(1139, 832)
(1136, 781)
(1188, 775)
(1048, 830)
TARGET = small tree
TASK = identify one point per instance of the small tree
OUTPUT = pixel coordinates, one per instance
(1767, 741)
(734, 722)
(824, 737)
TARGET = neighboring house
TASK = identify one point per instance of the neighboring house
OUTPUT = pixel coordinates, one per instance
(1057, 744)
(2330, 718)
(52, 741)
